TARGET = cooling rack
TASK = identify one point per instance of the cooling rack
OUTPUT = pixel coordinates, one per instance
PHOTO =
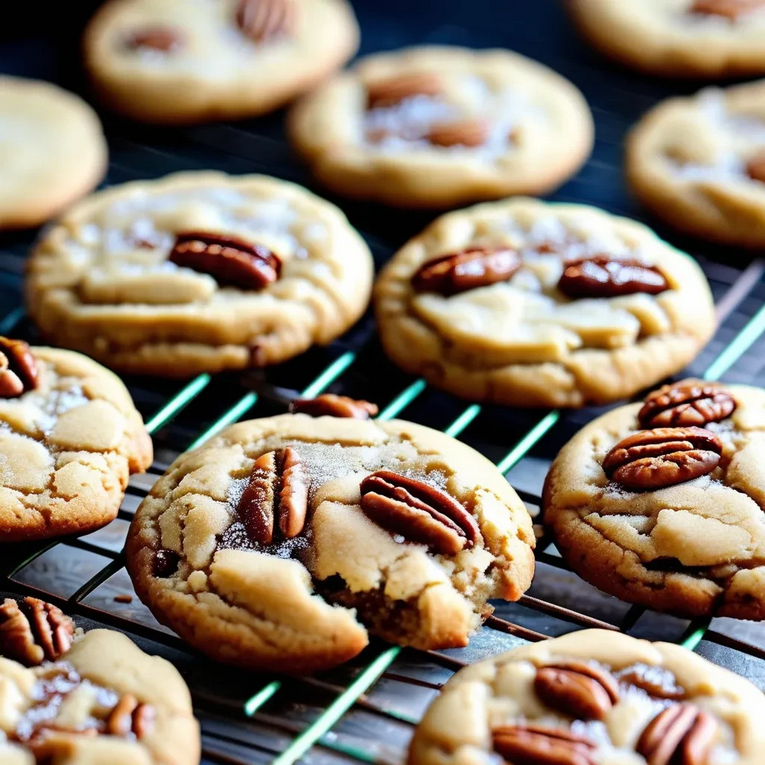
(365, 711)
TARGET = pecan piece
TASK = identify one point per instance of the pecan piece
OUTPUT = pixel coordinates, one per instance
(227, 259)
(467, 270)
(262, 20)
(34, 631)
(755, 168)
(654, 686)
(18, 369)
(680, 734)
(691, 402)
(537, 745)
(654, 459)
(731, 9)
(419, 512)
(392, 90)
(130, 716)
(605, 277)
(165, 39)
(331, 405)
(467, 132)
(577, 689)
(278, 487)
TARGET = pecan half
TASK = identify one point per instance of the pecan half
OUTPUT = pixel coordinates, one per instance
(166, 563)
(755, 168)
(418, 512)
(731, 9)
(393, 90)
(165, 39)
(331, 405)
(467, 132)
(18, 369)
(34, 631)
(130, 716)
(262, 20)
(537, 745)
(680, 734)
(604, 277)
(653, 459)
(691, 402)
(577, 689)
(227, 259)
(467, 270)
(653, 686)
(277, 489)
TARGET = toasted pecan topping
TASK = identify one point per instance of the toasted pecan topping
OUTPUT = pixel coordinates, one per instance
(466, 270)
(331, 405)
(577, 689)
(605, 277)
(18, 369)
(33, 631)
(681, 735)
(687, 403)
(538, 745)
(263, 20)
(393, 90)
(465, 132)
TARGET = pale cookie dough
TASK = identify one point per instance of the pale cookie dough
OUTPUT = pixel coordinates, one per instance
(339, 567)
(52, 151)
(186, 61)
(519, 340)
(593, 697)
(102, 280)
(67, 448)
(695, 547)
(678, 38)
(699, 163)
(441, 126)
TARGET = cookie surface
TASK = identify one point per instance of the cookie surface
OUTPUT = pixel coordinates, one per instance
(593, 696)
(440, 126)
(699, 163)
(175, 61)
(530, 304)
(199, 272)
(672, 518)
(417, 571)
(678, 38)
(52, 151)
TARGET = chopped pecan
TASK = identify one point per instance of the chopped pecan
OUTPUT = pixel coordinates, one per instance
(165, 563)
(33, 631)
(653, 685)
(419, 512)
(227, 259)
(331, 405)
(466, 132)
(537, 745)
(731, 9)
(605, 277)
(755, 168)
(130, 716)
(577, 689)
(680, 734)
(165, 39)
(278, 486)
(262, 20)
(654, 459)
(393, 90)
(691, 402)
(467, 270)
(18, 370)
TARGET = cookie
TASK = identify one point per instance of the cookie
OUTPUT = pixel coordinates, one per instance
(593, 696)
(678, 38)
(284, 542)
(70, 437)
(175, 61)
(661, 503)
(441, 126)
(532, 304)
(100, 700)
(52, 151)
(198, 272)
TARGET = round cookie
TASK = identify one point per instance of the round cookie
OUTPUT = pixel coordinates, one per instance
(662, 503)
(70, 437)
(284, 542)
(532, 304)
(187, 61)
(593, 696)
(199, 272)
(52, 151)
(699, 163)
(440, 126)
(678, 38)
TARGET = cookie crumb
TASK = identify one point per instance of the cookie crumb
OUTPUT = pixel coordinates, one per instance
(123, 598)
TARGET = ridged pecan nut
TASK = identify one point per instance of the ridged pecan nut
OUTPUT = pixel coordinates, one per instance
(466, 132)
(467, 270)
(654, 459)
(33, 631)
(165, 39)
(262, 20)
(418, 512)
(605, 277)
(18, 369)
(227, 259)
(276, 492)
(755, 168)
(687, 403)
(537, 745)
(731, 9)
(393, 90)
(331, 405)
(655, 686)
(130, 716)
(681, 735)
(577, 689)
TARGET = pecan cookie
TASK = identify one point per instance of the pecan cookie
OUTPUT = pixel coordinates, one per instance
(662, 503)
(678, 38)
(52, 151)
(531, 304)
(70, 437)
(186, 61)
(590, 697)
(284, 542)
(199, 272)
(440, 126)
